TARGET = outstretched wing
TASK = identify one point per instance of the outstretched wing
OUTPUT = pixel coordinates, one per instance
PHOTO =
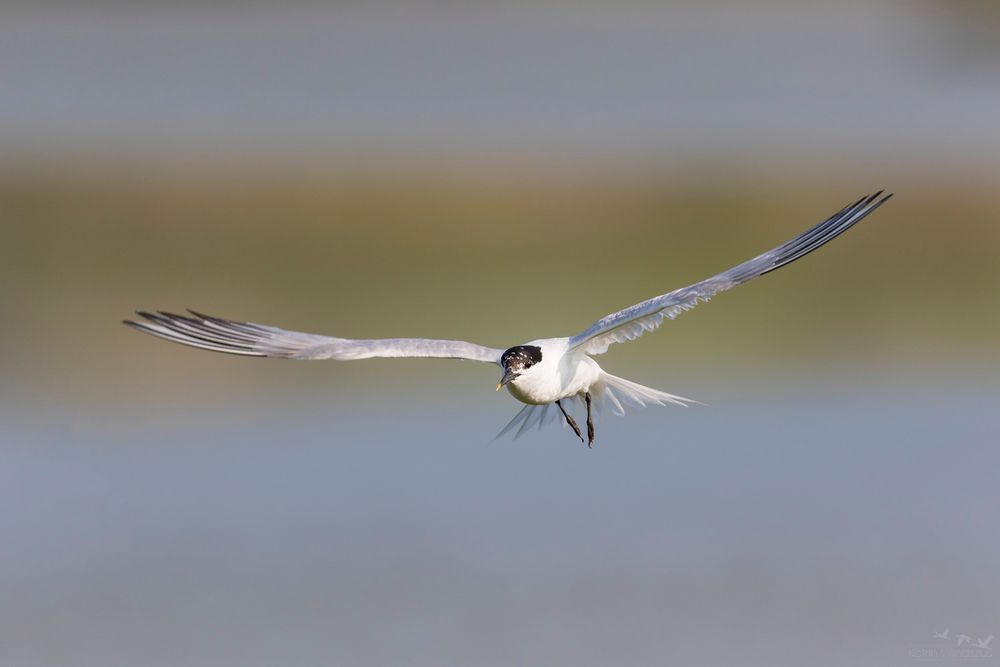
(635, 320)
(258, 340)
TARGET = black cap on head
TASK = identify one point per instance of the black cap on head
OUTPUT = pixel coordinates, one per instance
(521, 356)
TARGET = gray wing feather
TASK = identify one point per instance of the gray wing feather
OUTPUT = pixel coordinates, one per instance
(257, 340)
(634, 321)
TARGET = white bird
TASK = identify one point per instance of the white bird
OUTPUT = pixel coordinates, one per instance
(539, 373)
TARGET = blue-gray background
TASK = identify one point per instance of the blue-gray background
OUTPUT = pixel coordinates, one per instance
(496, 173)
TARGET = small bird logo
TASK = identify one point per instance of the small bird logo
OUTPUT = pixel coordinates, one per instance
(942, 635)
(963, 639)
(984, 643)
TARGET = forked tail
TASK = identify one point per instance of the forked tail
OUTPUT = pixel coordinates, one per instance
(611, 386)
(610, 389)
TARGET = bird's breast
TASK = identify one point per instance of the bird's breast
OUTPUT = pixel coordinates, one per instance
(533, 390)
(556, 381)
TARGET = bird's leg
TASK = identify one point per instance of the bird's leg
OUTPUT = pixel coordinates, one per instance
(570, 421)
(590, 423)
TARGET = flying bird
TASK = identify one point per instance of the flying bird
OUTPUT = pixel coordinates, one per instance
(540, 373)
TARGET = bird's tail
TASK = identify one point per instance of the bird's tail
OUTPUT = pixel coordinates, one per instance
(610, 387)
(606, 391)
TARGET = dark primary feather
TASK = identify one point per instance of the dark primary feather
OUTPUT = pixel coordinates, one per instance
(202, 331)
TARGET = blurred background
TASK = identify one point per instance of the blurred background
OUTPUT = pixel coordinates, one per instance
(497, 172)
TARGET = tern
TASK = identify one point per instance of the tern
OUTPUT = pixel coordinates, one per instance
(539, 373)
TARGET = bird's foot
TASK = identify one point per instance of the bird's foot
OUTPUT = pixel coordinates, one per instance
(590, 423)
(573, 425)
(569, 420)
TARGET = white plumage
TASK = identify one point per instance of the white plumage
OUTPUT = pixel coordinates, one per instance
(540, 373)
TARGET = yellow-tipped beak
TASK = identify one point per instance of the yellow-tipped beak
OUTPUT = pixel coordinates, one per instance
(507, 377)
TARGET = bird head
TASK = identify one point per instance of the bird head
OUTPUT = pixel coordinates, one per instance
(517, 360)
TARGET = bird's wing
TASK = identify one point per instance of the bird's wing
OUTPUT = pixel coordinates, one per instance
(258, 340)
(632, 322)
